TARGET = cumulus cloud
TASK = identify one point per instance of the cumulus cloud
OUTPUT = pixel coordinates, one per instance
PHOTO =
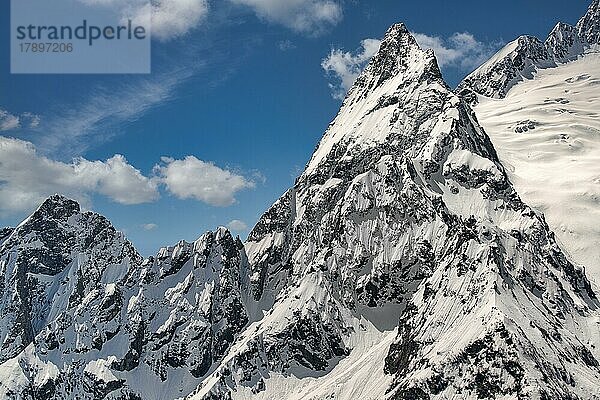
(461, 49)
(237, 226)
(345, 66)
(9, 121)
(192, 178)
(311, 17)
(149, 227)
(27, 178)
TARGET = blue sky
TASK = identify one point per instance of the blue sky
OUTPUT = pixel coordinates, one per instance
(240, 93)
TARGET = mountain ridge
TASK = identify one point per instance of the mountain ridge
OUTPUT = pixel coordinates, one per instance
(522, 58)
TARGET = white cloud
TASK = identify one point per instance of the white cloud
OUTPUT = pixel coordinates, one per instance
(149, 227)
(311, 17)
(346, 66)
(201, 180)
(460, 50)
(237, 226)
(27, 178)
(9, 121)
(285, 45)
(168, 19)
(116, 179)
(171, 18)
(31, 120)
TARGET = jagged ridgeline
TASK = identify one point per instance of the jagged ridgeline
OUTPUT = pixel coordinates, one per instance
(401, 265)
(521, 58)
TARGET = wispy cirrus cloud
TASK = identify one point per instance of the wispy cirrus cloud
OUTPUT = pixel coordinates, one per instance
(106, 110)
(311, 17)
(100, 116)
(285, 45)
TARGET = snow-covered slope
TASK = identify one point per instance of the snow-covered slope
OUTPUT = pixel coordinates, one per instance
(547, 132)
(521, 59)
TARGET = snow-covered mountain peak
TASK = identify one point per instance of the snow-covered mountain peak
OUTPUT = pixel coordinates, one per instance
(399, 57)
(516, 61)
(589, 25)
(132, 328)
(564, 43)
(400, 82)
(405, 213)
(56, 207)
(50, 263)
(402, 264)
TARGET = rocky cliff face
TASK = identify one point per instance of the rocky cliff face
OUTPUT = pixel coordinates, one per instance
(83, 316)
(520, 59)
(50, 263)
(588, 27)
(564, 42)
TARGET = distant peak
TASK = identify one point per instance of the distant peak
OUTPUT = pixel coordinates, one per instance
(396, 29)
(563, 42)
(527, 39)
(589, 25)
(58, 206)
(57, 198)
(222, 232)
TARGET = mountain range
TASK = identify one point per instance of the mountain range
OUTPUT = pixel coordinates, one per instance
(411, 259)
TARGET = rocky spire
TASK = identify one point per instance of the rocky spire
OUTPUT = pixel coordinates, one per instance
(564, 43)
(57, 207)
(399, 55)
(589, 25)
